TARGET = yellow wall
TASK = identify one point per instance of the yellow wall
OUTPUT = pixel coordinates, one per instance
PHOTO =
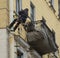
(4, 16)
(43, 9)
(26, 4)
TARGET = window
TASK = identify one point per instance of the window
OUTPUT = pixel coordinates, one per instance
(59, 7)
(32, 11)
(18, 5)
(52, 3)
(19, 54)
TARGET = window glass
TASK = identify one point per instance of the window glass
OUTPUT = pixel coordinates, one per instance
(52, 2)
(18, 5)
(19, 54)
(32, 11)
(59, 7)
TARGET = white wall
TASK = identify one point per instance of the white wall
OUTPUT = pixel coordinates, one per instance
(3, 43)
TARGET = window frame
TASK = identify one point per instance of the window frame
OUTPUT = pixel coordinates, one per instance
(18, 5)
(51, 4)
(59, 8)
(20, 54)
(32, 11)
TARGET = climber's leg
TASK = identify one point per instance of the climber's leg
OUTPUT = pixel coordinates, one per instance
(16, 26)
(11, 25)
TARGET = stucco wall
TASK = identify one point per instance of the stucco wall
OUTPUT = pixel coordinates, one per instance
(3, 43)
(43, 9)
(4, 16)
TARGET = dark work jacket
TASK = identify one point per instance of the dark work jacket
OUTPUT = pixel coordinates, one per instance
(24, 15)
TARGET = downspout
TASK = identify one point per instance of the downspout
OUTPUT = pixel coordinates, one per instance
(11, 37)
(11, 10)
(20, 4)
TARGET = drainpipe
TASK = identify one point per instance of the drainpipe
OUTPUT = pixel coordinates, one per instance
(11, 39)
(20, 4)
(11, 10)
(11, 46)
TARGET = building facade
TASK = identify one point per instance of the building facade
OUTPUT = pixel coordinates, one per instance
(48, 9)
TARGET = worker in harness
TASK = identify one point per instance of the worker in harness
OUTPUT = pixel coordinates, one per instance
(22, 16)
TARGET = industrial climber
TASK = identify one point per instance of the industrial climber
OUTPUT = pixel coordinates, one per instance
(22, 16)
